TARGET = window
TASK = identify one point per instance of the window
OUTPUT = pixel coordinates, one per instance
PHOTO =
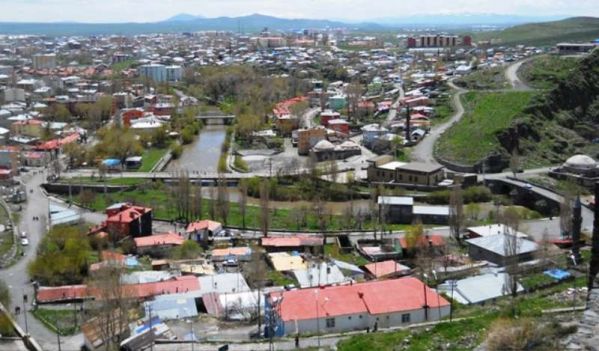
(330, 322)
(405, 318)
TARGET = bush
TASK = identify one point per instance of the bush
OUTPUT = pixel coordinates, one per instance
(176, 151)
(4, 294)
(189, 250)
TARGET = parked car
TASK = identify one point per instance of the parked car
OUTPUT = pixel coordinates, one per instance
(24, 241)
(23, 235)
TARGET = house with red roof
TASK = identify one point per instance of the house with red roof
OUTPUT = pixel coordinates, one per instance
(300, 243)
(203, 230)
(386, 269)
(157, 245)
(336, 309)
(125, 219)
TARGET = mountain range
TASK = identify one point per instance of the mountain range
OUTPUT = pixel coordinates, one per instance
(256, 22)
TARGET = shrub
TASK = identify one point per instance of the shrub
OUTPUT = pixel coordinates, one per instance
(176, 151)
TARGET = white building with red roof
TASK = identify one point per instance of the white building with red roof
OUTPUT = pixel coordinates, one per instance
(335, 309)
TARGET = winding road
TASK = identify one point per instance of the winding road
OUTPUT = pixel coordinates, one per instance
(424, 151)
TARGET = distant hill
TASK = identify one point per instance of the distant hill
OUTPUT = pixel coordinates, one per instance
(180, 23)
(182, 17)
(465, 20)
(547, 33)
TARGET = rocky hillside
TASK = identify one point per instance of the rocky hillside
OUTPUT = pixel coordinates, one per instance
(561, 122)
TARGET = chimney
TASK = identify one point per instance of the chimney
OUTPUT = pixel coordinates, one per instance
(594, 264)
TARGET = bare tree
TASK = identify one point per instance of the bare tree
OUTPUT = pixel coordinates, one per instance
(456, 211)
(255, 274)
(565, 215)
(112, 304)
(243, 199)
(222, 199)
(354, 94)
(511, 247)
(515, 162)
(264, 207)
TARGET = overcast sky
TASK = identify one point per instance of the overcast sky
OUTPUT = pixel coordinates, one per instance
(156, 10)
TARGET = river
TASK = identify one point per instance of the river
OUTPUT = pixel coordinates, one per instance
(203, 154)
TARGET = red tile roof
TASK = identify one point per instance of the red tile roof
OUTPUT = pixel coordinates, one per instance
(386, 268)
(283, 107)
(231, 251)
(61, 293)
(127, 215)
(205, 224)
(378, 297)
(293, 240)
(424, 241)
(159, 240)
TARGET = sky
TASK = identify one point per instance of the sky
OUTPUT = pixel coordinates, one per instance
(354, 10)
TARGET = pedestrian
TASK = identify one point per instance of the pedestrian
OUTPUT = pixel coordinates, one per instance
(297, 341)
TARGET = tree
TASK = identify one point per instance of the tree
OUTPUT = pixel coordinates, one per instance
(243, 198)
(62, 257)
(87, 197)
(112, 303)
(565, 215)
(75, 153)
(222, 199)
(511, 247)
(264, 207)
(456, 211)
(354, 94)
(515, 162)
(188, 250)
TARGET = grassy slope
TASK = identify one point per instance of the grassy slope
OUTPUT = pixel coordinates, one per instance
(490, 78)
(150, 157)
(544, 72)
(547, 33)
(475, 136)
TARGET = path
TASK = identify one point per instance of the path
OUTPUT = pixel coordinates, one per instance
(423, 152)
(511, 74)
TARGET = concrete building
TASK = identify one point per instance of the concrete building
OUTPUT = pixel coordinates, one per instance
(501, 249)
(44, 61)
(174, 73)
(384, 170)
(574, 48)
(155, 72)
(401, 209)
(308, 138)
(337, 309)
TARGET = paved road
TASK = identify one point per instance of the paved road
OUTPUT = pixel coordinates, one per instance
(395, 106)
(423, 152)
(511, 74)
(16, 277)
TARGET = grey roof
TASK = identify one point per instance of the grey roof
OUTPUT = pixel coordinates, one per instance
(420, 167)
(223, 283)
(173, 307)
(479, 288)
(396, 200)
(499, 242)
(63, 215)
(142, 277)
(348, 267)
(318, 275)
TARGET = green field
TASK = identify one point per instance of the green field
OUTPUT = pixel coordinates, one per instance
(150, 157)
(158, 197)
(545, 72)
(575, 29)
(474, 137)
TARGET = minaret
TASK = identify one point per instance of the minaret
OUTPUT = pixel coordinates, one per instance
(576, 224)
(594, 264)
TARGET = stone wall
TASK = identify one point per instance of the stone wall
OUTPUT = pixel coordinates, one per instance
(587, 335)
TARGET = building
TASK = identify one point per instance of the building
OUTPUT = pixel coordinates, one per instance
(154, 71)
(298, 243)
(338, 125)
(501, 249)
(386, 269)
(438, 41)
(203, 230)
(157, 245)
(371, 133)
(581, 169)
(44, 61)
(174, 73)
(308, 138)
(420, 173)
(575, 48)
(128, 220)
(401, 210)
(320, 274)
(337, 309)
(492, 229)
(479, 289)
(232, 253)
(94, 330)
